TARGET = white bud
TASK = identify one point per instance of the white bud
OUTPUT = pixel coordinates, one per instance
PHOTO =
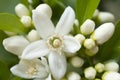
(89, 43)
(33, 36)
(80, 38)
(21, 10)
(99, 67)
(112, 66)
(87, 27)
(90, 73)
(92, 52)
(77, 61)
(96, 13)
(15, 44)
(111, 76)
(26, 20)
(105, 17)
(73, 76)
(103, 33)
(76, 22)
(30, 1)
(45, 9)
(10, 33)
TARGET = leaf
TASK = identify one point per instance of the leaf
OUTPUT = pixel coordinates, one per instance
(9, 22)
(107, 50)
(4, 71)
(5, 56)
(85, 9)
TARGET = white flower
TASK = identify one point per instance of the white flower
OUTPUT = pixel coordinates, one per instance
(30, 69)
(89, 43)
(111, 76)
(15, 44)
(73, 76)
(90, 73)
(112, 66)
(105, 17)
(26, 20)
(103, 33)
(80, 38)
(87, 27)
(21, 10)
(54, 40)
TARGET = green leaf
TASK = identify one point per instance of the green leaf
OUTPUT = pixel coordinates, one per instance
(5, 56)
(108, 50)
(85, 9)
(4, 71)
(9, 22)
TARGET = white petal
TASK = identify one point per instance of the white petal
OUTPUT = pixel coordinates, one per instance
(35, 50)
(66, 21)
(25, 69)
(57, 65)
(15, 44)
(45, 9)
(71, 45)
(43, 24)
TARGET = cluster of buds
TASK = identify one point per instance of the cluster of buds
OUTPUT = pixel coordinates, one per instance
(95, 37)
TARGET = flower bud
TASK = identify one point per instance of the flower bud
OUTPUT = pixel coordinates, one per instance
(80, 38)
(76, 61)
(92, 52)
(103, 33)
(33, 36)
(21, 10)
(87, 27)
(111, 76)
(45, 9)
(95, 13)
(15, 44)
(26, 20)
(99, 67)
(73, 76)
(112, 66)
(89, 43)
(10, 33)
(90, 73)
(76, 22)
(105, 17)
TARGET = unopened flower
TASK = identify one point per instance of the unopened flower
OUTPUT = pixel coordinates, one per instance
(33, 36)
(111, 76)
(103, 33)
(73, 76)
(26, 20)
(99, 67)
(30, 69)
(95, 13)
(105, 17)
(80, 38)
(21, 10)
(89, 43)
(76, 22)
(90, 73)
(87, 27)
(112, 66)
(54, 42)
(92, 51)
(76, 61)
(15, 44)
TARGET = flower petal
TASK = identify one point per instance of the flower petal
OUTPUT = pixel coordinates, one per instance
(71, 45)
(43, 24)
(15, 44)
(57, 65)
(66, 21)
(35, 50)
(26, 69)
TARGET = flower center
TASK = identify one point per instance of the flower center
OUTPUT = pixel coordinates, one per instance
(54, 42)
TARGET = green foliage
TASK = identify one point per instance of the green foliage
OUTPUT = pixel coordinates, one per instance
(85, 9)
(110, 50)
(9, 22)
